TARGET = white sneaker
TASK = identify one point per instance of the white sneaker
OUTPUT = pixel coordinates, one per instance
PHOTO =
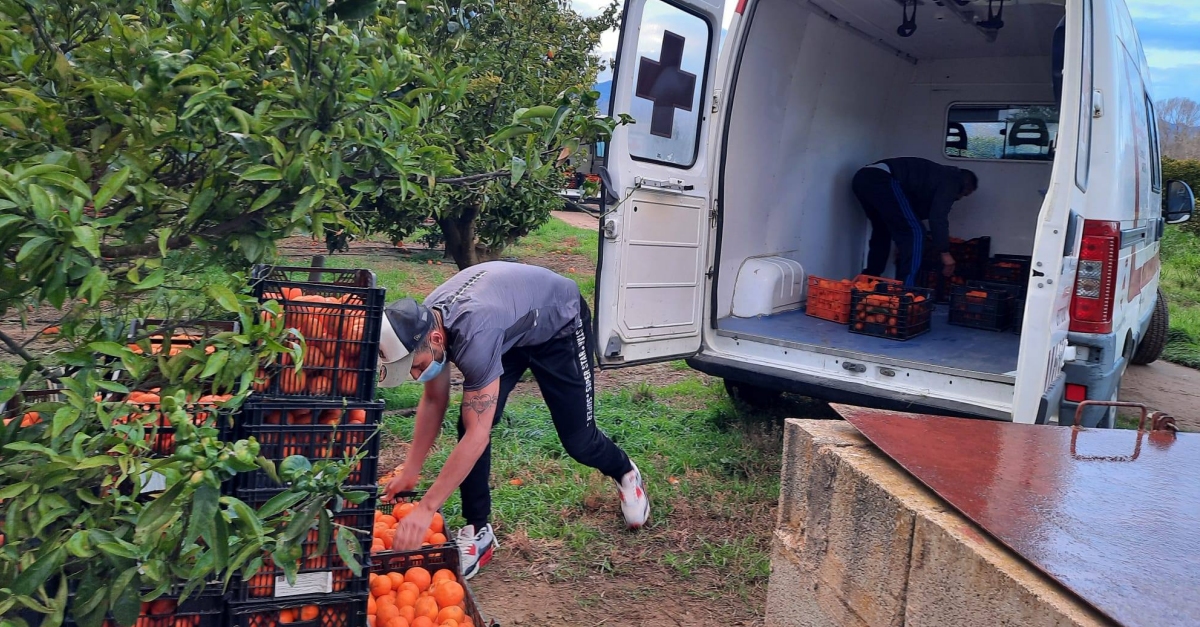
(635, 503)
(475, 549)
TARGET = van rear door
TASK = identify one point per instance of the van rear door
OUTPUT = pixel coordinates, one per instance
(1041, 382)
(651, 275)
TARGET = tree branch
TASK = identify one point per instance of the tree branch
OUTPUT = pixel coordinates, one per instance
(471, 179)
(178, 241)
(15, 348)
(37, 24)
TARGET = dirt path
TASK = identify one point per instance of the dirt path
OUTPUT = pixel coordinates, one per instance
(1165, 387)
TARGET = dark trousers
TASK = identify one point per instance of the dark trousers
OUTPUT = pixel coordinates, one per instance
(563, 370)
(892, 220)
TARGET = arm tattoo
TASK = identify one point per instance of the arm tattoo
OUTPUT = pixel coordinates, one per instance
(478, 404)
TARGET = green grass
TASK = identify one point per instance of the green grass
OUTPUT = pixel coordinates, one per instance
(556, 236)
(1180, 280)
(709, 471)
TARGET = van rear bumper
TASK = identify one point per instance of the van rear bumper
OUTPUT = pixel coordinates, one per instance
(1101, 373)
(835, 391)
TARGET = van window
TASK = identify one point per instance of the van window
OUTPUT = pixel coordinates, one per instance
(1006, 132)
(672, 56)
(1155, 155)
(1083, 147)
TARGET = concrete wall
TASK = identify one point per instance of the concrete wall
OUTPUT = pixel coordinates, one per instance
(861, 543)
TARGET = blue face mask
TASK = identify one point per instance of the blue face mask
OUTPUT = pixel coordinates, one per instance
(433, 370)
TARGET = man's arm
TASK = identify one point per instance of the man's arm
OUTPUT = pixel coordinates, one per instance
(939, 216)
(431, 412)
(478, 414)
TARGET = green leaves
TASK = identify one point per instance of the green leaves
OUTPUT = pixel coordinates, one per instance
(262, 173)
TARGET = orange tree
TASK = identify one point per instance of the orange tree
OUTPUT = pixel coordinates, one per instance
(150, 151)
(528, 105)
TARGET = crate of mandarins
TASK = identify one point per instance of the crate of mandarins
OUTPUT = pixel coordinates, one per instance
(322, 571)
(829, 299)
(316, 430)
(337, 314)
(389, 515)
(423, 587)
(332, 610)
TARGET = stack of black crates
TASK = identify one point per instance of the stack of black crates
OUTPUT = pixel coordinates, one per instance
(324, 410)
(996, 302)
(971, 261)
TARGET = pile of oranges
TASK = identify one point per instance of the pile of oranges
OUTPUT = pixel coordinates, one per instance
(385, 528)
(333, 343)
(417, 599)
(295, 614)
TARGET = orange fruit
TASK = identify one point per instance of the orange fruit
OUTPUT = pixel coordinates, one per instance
(371, 606)
(438, 525)
(388, 520)
(453, 612)
(449, 593)
(408, 585)
(397, 622)
(287, 615)
(387, 613)
(444, 574)
(403, 510)
(437, 538)
(449, 623)
(422, 621)
(406, 597)
(427, 607)
(162, 607)
(408, 613)
(420, 577)
(387, 599)
(397, 580)
(309, 612)
(380, 586)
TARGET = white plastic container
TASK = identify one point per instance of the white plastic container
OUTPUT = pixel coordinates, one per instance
(769, 285)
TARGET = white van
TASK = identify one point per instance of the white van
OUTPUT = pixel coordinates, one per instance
(734, 184)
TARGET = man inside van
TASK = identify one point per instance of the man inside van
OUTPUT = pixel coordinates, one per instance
(897, 194)
(494, 321)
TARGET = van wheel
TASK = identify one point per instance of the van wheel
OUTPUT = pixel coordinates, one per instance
(752, 395)
(1151, 346)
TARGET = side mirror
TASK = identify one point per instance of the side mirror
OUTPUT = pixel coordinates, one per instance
(1178, 202)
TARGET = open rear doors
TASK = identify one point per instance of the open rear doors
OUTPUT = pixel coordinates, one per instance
(651, 278)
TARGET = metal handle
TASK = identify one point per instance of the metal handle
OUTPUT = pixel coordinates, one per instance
(1159, 421)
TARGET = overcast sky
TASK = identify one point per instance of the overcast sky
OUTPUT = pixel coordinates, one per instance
(1170, 31)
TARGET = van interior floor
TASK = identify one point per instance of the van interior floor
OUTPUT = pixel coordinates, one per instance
(944, 347)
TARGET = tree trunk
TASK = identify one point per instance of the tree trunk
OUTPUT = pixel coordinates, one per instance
(459, 234)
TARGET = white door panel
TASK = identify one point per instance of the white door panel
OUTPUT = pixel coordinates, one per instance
(651, 283)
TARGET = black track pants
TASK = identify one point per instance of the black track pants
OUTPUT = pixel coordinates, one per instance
(563, 370)
(892, 220)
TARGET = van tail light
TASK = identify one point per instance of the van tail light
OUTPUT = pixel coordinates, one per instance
(1096, 277)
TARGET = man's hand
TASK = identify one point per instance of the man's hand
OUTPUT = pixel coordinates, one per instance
(403, 482)
(947, 265)
(411, 530)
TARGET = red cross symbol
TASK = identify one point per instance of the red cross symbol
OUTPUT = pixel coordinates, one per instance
(664, 83)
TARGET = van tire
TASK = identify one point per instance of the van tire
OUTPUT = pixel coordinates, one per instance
(1151, 347)
(752, 395)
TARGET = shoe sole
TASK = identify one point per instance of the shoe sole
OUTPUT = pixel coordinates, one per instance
(635, 527)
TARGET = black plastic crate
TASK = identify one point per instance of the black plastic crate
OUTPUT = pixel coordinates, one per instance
(26, 403)
(331, 610)
(413, 497)
(316, 442)
(259, 412)
(432, 559)
(160, 433)
(1018, 314)
(338, 313)
(183, 334)
(895, 312)
(320, 573)
(934, 280)
(1012, 269)
(205, 607)
(982, 305)
(970, 256)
